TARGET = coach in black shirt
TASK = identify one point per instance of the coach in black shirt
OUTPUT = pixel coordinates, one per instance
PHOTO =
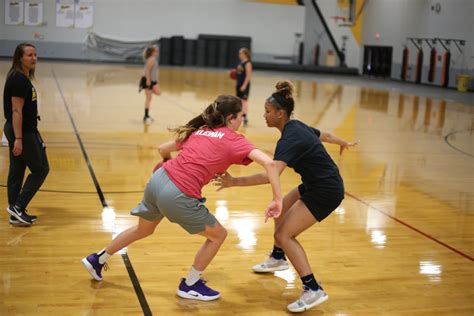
(21, 129)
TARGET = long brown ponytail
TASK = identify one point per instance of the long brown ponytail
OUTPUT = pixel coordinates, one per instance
(214, 116)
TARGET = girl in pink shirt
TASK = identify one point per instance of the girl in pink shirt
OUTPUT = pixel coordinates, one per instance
(207, 145)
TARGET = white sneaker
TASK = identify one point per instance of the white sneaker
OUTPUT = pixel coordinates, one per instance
(148, 120)
(271, 265)
(308, 300)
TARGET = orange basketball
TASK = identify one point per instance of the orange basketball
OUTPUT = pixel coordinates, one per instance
(233, 74)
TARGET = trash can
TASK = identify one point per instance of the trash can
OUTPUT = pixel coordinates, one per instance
(463, 83)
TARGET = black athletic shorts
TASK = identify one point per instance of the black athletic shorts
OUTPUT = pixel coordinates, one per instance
(142, 85)
(244, 95)
(318, 206)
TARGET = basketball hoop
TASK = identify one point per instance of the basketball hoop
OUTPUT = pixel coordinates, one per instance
(340, 20)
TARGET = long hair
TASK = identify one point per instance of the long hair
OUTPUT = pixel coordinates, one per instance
(213, 116)
(148, 51)
(16, 64)
(282, 98)
(246, 52)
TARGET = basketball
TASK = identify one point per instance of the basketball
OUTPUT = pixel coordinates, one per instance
(233, 74)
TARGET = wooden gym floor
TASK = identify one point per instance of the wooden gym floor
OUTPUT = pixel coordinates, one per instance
(402, 242)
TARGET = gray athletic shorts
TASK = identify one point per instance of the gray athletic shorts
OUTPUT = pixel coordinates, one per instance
(163, 199)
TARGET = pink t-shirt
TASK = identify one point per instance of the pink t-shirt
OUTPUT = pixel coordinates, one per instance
(204, 154)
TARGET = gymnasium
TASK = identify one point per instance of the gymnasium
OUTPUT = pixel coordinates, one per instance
(393, 79)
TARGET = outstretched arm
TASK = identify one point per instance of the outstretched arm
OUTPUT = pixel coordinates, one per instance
(273, 176)
(226, 180)
(327, 137)
(272, 173)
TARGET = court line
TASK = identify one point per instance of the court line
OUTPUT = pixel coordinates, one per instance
(178, 104)
(411, 227)
(82, 192)
(454, 147)
(133, 277)
(81, 145)
(136, 285)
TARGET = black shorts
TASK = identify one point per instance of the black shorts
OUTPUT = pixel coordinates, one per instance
(142, 85)
(318, 206)
(244, 95)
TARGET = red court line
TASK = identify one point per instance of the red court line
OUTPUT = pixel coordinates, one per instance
(411, 227)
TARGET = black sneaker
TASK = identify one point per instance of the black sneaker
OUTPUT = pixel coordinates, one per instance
(33, 218)
(13, 221)
(19, 215)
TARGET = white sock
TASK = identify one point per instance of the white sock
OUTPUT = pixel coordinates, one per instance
(193, 276)
(103, 256)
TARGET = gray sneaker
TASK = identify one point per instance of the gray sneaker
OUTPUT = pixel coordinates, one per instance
(308, 300)
(270, 265)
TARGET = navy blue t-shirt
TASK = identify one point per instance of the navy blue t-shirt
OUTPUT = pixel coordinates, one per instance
(301, 149)
(241, 73)
(19, 85)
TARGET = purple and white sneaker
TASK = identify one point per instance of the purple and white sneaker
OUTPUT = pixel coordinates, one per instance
(198, 291)
(91, 263)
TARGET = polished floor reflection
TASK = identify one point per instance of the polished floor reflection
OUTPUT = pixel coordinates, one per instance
(401, 243)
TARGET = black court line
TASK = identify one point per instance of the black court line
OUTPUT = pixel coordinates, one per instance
(412, 227)
(136, 285)
(446, 140)
(179, 105)
(81, 144)
(133, 277)
(83, 192)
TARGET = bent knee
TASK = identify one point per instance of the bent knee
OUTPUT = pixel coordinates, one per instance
(218, 234)
(145, 232)
(221, 233)
(281, 237)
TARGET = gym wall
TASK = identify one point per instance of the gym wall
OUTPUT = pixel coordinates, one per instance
(314, 34)
(394, 21)
(271, 26)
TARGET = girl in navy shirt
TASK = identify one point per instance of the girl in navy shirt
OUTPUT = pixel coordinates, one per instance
(242, 88)
(321, 191)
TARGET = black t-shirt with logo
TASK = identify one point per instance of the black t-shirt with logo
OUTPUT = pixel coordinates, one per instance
(241, 73)
(302, 150)
(19, 85)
